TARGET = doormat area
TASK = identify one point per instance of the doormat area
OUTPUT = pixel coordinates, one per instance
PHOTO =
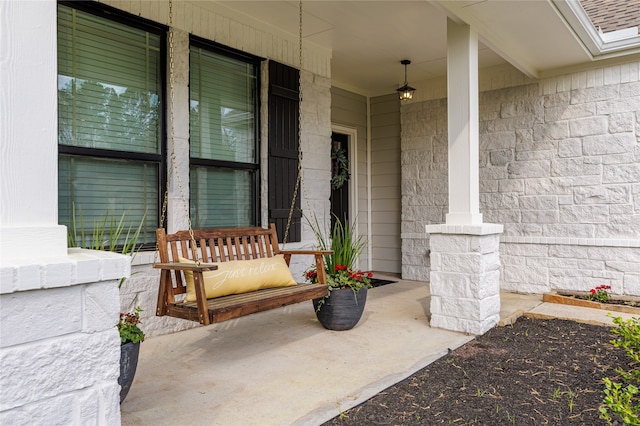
(377, 282)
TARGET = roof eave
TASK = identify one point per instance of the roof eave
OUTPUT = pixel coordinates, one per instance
(578, 21)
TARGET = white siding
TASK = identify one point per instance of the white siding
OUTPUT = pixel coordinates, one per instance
(385, 184)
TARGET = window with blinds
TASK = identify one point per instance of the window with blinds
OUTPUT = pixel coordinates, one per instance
(109, 121)
(223, 136)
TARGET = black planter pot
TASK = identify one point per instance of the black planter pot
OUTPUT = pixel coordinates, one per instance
(128, 364)
(342, 309)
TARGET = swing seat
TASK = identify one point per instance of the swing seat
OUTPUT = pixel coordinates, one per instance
(225, 245)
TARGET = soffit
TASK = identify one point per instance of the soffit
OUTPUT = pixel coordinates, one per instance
(369, 38)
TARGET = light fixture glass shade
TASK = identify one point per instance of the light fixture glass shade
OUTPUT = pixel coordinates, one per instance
(405, 92)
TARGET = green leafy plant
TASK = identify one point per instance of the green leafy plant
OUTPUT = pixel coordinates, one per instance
(109, 233)
(128, 327)
(346, 248)
(623, 399)
(599, 294)
(345, 245)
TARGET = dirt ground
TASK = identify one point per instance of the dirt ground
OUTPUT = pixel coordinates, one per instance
(534, 372)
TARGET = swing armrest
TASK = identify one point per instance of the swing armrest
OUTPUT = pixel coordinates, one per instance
(187, 266)
(318, 254)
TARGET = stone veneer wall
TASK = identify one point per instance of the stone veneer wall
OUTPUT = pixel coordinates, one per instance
(60, 348)
(424, 181)
(559, 167)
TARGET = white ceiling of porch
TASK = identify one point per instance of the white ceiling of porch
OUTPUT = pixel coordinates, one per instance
(369, 38)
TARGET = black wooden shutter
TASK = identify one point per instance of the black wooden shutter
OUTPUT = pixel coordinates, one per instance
(284, 106)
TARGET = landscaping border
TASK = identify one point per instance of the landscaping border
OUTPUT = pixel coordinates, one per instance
(567, 298)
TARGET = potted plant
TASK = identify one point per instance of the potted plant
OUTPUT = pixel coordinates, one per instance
(343, 306)
(130, 337)
(111, 234)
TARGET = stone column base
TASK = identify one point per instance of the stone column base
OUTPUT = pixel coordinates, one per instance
(465, 277)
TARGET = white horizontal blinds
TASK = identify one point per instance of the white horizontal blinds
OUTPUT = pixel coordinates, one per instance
(109, 81)
(221, 197)
(104, 187)
(222, 107)
(223, 124)
(108, 76)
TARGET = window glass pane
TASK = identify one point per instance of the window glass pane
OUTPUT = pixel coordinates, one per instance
(108, 84)
(222, 107)
(96, 188)
(222, 197)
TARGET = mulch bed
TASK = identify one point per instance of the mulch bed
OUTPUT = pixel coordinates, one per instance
(534, 372)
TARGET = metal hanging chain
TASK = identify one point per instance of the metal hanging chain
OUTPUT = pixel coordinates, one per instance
(299, 180)
(174, 163)
(165, 200)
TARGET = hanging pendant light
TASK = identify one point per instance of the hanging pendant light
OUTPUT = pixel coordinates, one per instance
(406, 91)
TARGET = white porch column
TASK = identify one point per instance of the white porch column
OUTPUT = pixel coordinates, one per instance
(465, 277)
(465, 262)
(59, 346)
(462, 88)
(28, 132)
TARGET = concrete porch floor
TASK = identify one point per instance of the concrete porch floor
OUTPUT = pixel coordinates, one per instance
(282, 367)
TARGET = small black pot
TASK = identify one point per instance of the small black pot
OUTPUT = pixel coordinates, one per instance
(128, 364)
(342, 309)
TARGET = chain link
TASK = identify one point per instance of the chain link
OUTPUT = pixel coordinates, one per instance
(299, 180)
(174, 162)
(173, 165)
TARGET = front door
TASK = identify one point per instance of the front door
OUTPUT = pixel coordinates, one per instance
(340, 178)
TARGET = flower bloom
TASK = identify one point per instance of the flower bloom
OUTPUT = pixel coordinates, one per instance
(602, 288)
(129, 318)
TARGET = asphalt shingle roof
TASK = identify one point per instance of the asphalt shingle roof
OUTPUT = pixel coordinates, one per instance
(613, 15)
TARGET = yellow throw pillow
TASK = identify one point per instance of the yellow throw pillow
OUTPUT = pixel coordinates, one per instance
(241, 276)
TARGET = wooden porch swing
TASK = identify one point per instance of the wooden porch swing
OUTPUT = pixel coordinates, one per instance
(187, 257)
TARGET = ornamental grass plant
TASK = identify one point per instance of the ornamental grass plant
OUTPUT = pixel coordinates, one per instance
(345, 244)
(111, 234)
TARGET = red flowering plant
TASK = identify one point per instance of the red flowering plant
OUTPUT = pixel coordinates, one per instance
(341, 277)
(600, 293)
(128, 327)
